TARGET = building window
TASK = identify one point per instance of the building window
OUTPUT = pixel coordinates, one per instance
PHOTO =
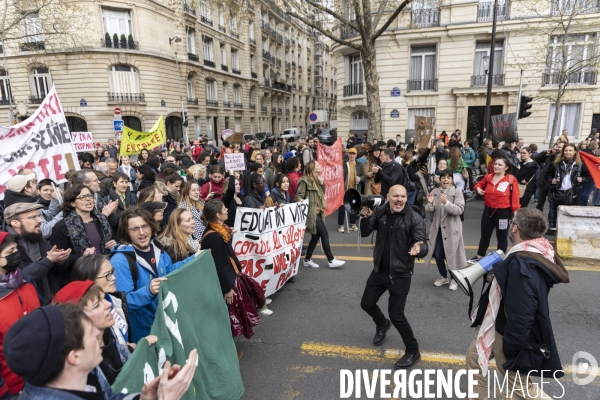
(223, 54)
(225, 95)
(252, 63)
(209, 127)
(40, 82)
(577, 7)
(210, 90)
(197, 130)
(204, 9)
(190, 88)
(251, 30)
(480, 66)
(5, 90)
(233, 25)
(77, 124)
(422, 69)
(425, 13)
(226, 122)
(117, 22)
(207, 45)
(360, 121)
(418, 112)
(234, 60)
(32, 29)
(568, 118)
(485, 10)
(191, 41)
(132, 122)
(354, 76)
(123, 79)
(173, 127)
(579, 67)
(237, 94)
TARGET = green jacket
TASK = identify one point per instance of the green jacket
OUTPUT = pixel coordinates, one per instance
(359, 171)
(308, 190)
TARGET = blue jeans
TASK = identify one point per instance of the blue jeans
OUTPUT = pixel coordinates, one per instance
(412, 196)
(440, 255)
(596, 198)
(586, 190)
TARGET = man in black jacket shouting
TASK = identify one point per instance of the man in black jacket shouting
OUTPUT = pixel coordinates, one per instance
(400, 238)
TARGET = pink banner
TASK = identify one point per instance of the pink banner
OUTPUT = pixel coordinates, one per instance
(330, 159)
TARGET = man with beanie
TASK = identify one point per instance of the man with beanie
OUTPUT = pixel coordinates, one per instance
(54, 349)
(38, 257)
(17, 298)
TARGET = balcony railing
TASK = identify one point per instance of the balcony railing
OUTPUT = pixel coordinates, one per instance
(481, 80)
(426, 17)
(264, 26)
(119, 44)
(252, 106)
(32, 46)
(267, 82)
(126, 97)
(299, 88)
(188, 9)
(266, 55)
(209, 63)
(279, 109)
(287, 42)
(353, 90)
(278, 62)
(5, 102)
(224, 68)
(254, 75)
(212, 103)
(422, 85)
(568, 7)
(222, 28)
(272, 60)
(192, 102)
(237, 105)
(485, 11)
(348, 32)
(236, 71)
(206, 20)
(34, 99)
(263, 108)
(234, 35)
(287, 65)
(580, 78)
(301, 108)
(193, 57)
(252, 42)
(294, 108)
(294, 64)
(227, 104)
(273, 109)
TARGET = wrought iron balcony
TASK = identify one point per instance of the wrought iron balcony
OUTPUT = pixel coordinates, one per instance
(222, 28)
(278, 62)
(425, 18)
(263, 108)
(34, 99)
(485, 11)
(209, 63)
(237, 105)
(234, 35)
(264, 26)
(273, 109)
(348, 32)
(188, 9)
(32, 46)
(126, 97)
(301, 108)
(568, 7)
(252, 42)
(481, 80)
(119, 44)
(267, 82)
(236, 71)
(266, 55)
(254, 75)
(192, 102)
(300, 88)
(227, 104)
(5, 101)
(353, 89)
(193, 57)
(212, 103)
(224, 68)
(287, 42)
(580, 78)
(294, 108)
(294, 64)
(287, 65)
(206, 20)
(252, 106)
(422, 85)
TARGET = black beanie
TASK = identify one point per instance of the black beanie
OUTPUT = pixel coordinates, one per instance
(33, 345)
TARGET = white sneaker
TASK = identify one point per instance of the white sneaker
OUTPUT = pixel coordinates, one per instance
(310, 263)
(453, 285)
(269, 301)
(266, 312)
(441, 281)
(336, 263)
(341, 229)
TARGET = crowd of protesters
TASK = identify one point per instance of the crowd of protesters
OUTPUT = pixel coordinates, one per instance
(109, 236)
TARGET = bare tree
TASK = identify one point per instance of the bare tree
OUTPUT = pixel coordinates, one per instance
(569, 58)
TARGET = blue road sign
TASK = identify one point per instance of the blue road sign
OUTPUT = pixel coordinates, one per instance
(395, 92)
(395, 113)
(118, 124)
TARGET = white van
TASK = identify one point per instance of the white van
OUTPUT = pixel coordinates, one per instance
(291, 134)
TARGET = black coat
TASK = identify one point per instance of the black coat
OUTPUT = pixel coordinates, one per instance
(221, 251)
(404, 236)
(185, 161)
(130, 200)
(253, 200)
(525, 280)
(527, 172)
(389, 175)
(144, 184)
(230, 202)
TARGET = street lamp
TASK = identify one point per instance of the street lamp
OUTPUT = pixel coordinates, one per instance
(175, 39)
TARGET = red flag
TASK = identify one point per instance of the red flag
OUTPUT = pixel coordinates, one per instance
(593, 165)
(330, 159)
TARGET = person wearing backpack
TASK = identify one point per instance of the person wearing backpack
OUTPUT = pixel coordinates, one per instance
(140, 267)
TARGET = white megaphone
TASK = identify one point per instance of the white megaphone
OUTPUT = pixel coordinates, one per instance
(466, 277)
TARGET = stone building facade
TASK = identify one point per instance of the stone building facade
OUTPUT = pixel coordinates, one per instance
(259, 72)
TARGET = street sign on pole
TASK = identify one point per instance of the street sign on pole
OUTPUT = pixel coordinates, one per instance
(118, 125)
(117, 111)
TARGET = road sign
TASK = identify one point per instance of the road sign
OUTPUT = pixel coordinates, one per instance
(395, 113)
(313, 117)
(83, 103)
(117, 111)
(395, 92)
(118, 125)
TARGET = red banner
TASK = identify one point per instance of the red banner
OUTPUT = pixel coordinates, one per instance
(593, 165)
(330, 159)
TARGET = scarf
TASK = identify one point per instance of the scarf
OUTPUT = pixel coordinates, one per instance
(78, 236)
(487, 331)
(222, 230)
(13, 280)
(194, 244)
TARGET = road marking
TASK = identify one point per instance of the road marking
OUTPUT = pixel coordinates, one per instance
(360, 258)
(356, 353)
(369, 245)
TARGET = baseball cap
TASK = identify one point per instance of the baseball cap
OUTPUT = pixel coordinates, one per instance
(352, 150)
(18, 182)
(11, 212)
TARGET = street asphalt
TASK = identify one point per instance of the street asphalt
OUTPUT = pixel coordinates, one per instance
(318, 327)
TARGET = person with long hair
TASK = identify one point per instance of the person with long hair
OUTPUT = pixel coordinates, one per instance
(372, 161)
(500, 191)
(143, 157)
(178, 235)
(526, 175)
(280, 193)
(311, 187)
(254, 187)
(83, 229)
(197, 172)
(569, 175)
(447, 203)
(456, 166)
(294, 173)
(146, 176)
(151, 193)
(190, 201)
(231, 196)
(213, 189)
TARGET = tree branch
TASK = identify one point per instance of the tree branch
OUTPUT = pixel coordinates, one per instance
(326, 10)
(390, 20)
(379, 13)
(324, 32)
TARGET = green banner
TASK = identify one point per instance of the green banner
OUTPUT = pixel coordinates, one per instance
(191, 314)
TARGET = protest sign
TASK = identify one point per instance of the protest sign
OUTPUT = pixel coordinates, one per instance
(42, 143)
(133, 141)
(423, 131)
(235, 162)
(82, 141)
(505, 127)
(226, 134)
(268, 243)
(330, 159)
(191, 314)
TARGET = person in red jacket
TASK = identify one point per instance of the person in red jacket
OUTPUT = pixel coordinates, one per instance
(501, 196)
(294, 173)
(18, 297)
(213, 189)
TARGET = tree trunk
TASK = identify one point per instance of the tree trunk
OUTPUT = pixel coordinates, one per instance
(369, 63)
(556, 114)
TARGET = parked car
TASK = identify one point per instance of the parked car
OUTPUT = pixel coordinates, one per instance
(291, 134)
(327, 136)
(266, 139)
(248, 137)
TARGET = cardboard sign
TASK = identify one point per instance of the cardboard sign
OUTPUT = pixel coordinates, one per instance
(330, 158)
(235, 162)
(82, 141)
(42, 142)
(268, 243)
(424, 128)
(505, 127)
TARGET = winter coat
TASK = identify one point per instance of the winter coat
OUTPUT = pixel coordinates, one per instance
(269, 177)
(144, 184)
(469, 156)
(512, 157)
(370, 177)
(527, 173)
(447, 217)
(276, 197)
(294, 177)
(14, 304)
(105, 183)
(359, 172)
(389, 175)
(525, 279)
(50, 217)
(307, 189)
(560, 172)
(221, 252)
(130, 200)
(409, 228)
(230, 202)
(253, 200)
(141, 303)
(100, 203)
(185, 161)
(172, 204)
(197, 215)
(494, 198)
(131, 173)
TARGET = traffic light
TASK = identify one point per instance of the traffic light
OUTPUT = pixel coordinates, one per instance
(184, 119)
(524, 106)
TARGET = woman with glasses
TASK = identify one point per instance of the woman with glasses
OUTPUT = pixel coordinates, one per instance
(83, 229)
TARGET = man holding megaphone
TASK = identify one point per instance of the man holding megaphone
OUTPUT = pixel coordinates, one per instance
(400, 238)
(513, 319)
